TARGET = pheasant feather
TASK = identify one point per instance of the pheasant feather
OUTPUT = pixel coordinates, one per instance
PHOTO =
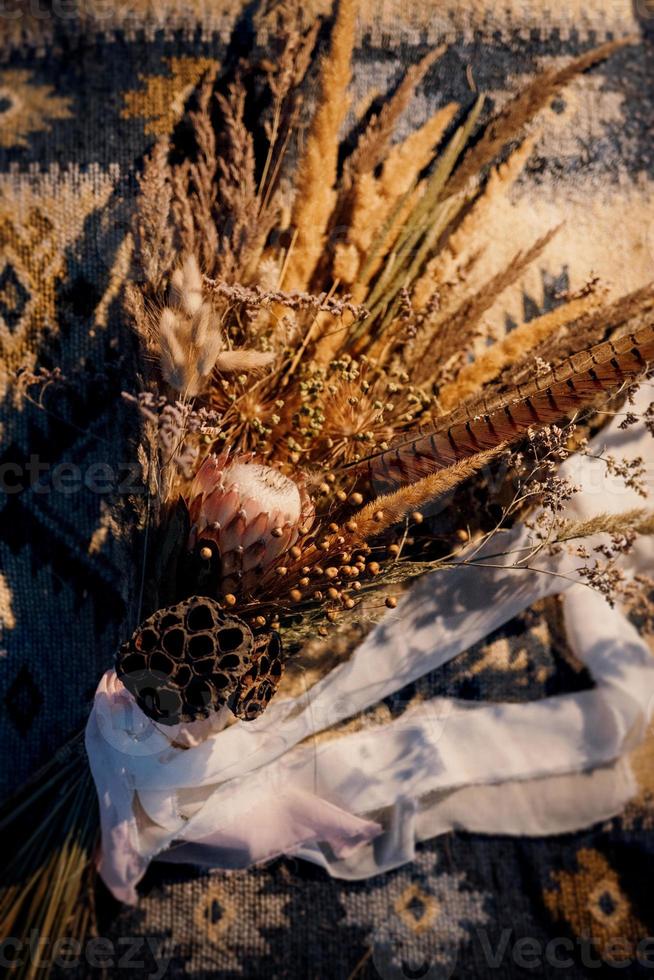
(555, 395)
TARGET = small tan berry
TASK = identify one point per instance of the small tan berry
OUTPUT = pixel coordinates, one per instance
(229, 599)
(205, 554)
(356, 498)
(372, 568)
(390, 601)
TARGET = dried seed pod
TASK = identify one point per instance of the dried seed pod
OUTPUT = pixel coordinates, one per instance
(185, 661)
(260, 682)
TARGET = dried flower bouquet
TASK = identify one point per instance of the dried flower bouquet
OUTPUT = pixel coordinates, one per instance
(318, 371)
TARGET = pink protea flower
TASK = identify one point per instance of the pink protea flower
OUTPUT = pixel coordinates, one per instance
(252, 513)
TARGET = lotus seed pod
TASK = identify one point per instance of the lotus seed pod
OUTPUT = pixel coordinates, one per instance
(259, 683)
(186, 661)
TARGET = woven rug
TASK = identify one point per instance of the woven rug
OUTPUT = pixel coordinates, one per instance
(84, 92)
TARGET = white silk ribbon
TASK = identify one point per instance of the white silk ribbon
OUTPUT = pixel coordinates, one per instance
(356, 803)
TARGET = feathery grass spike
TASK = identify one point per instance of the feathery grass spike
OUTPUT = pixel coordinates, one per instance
(315, 195)
(523, 107)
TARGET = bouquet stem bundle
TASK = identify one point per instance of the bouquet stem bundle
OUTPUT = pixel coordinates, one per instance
(50, 834)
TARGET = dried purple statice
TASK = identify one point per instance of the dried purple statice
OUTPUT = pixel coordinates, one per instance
(181, 429)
